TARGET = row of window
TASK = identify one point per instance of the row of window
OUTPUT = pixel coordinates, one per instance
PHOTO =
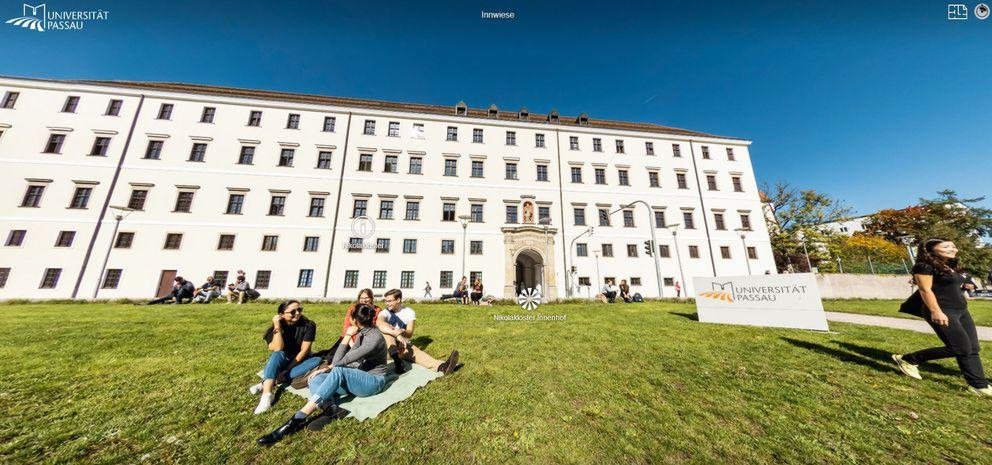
(664, 251)
(688, 219)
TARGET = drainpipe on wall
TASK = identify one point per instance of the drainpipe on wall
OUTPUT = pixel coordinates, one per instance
(337, 209)
(702, 205)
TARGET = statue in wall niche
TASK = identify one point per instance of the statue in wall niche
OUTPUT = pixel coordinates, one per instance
(528, 213)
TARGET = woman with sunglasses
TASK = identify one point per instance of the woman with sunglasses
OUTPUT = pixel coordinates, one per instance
(290, 338)
(358, 368)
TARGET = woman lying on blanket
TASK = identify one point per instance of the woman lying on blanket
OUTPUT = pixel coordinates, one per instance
(289, 337)
(358, 368)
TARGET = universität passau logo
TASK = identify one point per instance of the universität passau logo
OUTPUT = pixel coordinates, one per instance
(40, 18)
(720, 292)
(730, 293)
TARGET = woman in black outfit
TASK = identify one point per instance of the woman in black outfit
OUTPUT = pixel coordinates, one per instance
(942, 288)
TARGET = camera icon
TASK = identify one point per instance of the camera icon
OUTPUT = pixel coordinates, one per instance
(982, 11)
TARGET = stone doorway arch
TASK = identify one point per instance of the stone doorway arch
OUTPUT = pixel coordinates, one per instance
(530, 260)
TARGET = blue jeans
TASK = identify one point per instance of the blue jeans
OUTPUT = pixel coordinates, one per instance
(330, 387)
(278, 361)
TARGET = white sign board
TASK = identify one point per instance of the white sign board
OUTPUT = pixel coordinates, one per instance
(782, 301)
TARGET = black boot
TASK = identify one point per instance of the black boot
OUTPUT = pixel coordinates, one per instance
(398, 364)
(290, 427)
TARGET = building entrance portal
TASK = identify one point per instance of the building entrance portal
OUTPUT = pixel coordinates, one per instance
(530, 261)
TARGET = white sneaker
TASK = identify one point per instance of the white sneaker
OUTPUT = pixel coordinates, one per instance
(254, 390)
(984, 392)
(906, 368)
(264, 404)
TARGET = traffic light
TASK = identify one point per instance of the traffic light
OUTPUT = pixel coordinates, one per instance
(649, 248)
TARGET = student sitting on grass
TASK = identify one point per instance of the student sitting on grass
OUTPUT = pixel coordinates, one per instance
(365, 297)
(290, 337)
(207, 292)
(477, 291)
(624, 291)
(182, 291)
(241, 292)
(396, 325)
(358, 368)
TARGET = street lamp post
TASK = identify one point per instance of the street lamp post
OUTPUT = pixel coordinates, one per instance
(654, 244)
(747, 260)
(840, 266)
(571, 246)
(119, 214)
(809, 265)
(464, 219)
(908, 242)
(596, 253)
(678, 258)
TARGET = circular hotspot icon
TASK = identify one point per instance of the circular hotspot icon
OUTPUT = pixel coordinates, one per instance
(529, 298)
(363, 227)
(982, 11)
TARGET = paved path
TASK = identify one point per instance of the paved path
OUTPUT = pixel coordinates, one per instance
(920, 326)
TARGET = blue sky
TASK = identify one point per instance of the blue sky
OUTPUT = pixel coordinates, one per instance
(876, 103)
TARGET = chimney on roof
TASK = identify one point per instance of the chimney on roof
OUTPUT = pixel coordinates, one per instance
(582, 120)
(553, 116)
(461, 109)
(524, 114)
(493, 111)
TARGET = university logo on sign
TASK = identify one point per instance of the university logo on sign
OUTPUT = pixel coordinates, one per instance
(721, 291)
(31, 20)
(783, 301)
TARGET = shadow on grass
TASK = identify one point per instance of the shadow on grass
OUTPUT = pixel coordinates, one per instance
(422, 341)
(885, 357)
(845, 356)
(690, 316)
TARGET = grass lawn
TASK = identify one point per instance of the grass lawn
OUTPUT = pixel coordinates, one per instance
(639, 383)
(981, 310)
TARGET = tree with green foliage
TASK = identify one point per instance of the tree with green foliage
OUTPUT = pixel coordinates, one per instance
(794, 216)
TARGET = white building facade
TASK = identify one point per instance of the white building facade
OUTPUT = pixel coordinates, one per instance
(317, 197)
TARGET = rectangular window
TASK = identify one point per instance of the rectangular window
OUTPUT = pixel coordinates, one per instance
(539, 140)
(409, 246)
(752, 253)
(607, 250)
(745, 221)
(365, 162)
(277, 205)
(580, 216)
(664, 251)
(573, 143)
(306, 278)
(316, 207)
(582, 249)
(600, 175)
(635, 281)
(378, 279)
(477, 169)
(620, 146)
(360, 208)
(165, 111)
(706, 152)
(369, 127)
(16, 237)
(447, 246)
(382, 245)
(450, 167)
(511, 171)
(676, 150)
(32, 196)
(385, 209)
(476, 213)
(448, 211)
(329, 122)
(208, 115)
(542, 172)
(100, 146)
(392, 164)
(270, 243)
(412, 210)
(286, 157)
(247, 155)
(112, 279)
(81, 198)
(9, 99)
(220, 277)
(173, 241)
(659, 218)
(585, 281)
(198, 152)
(680, 181)
(452, 134)
(137, 200)
(416, 165)
(511, 213)
(417, 131)
(154, 150)
(711, 182)
(597, 144)
(406, 280)
(255, 118)
(293, 121)
(225, 242)
(653, 179)
(311, 243)
(51, 278)
(604, 217)
(124, 240)
(576, 175)
(543, 213)
(649, 148)
(70, 105)
(447, 277)
(355, 244)
(724, 252)
(262, 279)
(351, 279)
(475, 247)
(623, 177)
(473, 275)
(114, 107)
(394, 129)
(693, 251)
(631, 250)
(511, 138)
(324, 160)
(54, 144)
(184, 201)
(718, 222)
(477, 135)
(736, 180)
(628, 218)
(234, 204)
(687, 220)
(65, 238)
(730, 153)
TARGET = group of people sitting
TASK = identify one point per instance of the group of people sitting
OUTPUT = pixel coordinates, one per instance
(184, 291)
(355, 365)
(610, 291)
(461, 292)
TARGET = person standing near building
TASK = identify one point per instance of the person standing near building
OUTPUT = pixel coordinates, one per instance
(945, 308)
(678, 289)
(427, 291)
